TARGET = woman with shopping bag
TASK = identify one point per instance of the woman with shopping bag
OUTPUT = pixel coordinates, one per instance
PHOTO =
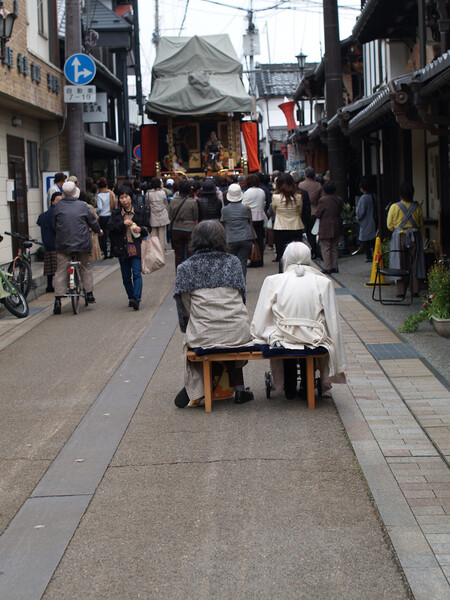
(128, 225)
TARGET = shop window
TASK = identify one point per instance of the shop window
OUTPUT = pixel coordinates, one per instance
(32, 163)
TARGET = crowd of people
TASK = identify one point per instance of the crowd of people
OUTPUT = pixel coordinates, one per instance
(212, 225)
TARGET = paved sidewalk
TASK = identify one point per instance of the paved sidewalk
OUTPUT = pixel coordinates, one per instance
(395, 409)
(41, 304)
(396, 413)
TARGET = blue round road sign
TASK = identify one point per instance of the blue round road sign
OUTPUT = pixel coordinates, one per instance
(137, 152)
(79, 69)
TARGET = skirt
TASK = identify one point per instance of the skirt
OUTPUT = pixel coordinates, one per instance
(49, 262)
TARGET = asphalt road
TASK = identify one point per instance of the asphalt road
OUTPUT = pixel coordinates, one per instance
(264, 500)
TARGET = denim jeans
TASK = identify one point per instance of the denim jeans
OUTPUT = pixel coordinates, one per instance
(132, 276)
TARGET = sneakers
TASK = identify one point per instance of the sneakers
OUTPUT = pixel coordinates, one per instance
(90, 298)
(182, 399)
(242, 396)
(57, 306)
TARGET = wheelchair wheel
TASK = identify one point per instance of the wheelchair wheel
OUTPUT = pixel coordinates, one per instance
(319, 386)
(269, 383)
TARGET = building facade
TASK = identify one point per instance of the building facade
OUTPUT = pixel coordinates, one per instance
(31, 116)
(33, 128)
(397, 129)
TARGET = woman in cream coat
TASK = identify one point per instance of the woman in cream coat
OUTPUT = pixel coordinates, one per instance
(298, 309)
(287, 205)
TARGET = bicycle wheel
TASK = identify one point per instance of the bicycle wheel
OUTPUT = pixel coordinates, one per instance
(16, 303)
(22, 276)
(75, 298)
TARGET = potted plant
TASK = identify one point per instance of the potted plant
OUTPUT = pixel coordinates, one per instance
(349, 228)
(436, 306)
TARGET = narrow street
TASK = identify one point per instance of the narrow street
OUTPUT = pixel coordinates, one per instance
(109, 491)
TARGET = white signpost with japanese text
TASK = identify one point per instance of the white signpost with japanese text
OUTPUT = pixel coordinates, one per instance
(80, 93)
(96, 112)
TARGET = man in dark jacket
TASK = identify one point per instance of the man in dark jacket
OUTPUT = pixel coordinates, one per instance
(73, 218)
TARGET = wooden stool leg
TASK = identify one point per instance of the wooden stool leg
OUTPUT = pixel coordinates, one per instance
(207, 383)
(310, 382)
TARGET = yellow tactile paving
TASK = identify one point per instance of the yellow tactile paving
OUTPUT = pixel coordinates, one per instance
(368, 327)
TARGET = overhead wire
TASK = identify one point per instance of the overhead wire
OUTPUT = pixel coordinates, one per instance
(184, 17)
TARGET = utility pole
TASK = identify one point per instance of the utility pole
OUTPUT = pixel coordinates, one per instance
(75, 125)
(251, 49)
(156, 35)
(334, 96)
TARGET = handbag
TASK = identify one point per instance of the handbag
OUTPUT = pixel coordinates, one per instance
(95, 252)
(315, 227)
(255, 253)
(152, 255)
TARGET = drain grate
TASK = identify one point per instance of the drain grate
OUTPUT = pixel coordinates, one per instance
(392, 351)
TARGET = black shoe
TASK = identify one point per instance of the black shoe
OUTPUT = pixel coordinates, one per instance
(335, 270)
(326, 271)
(182, 399)
(242, 396)
(302, 393)
(130, 303)
(134, 304)
(90, 298)
(57, 306)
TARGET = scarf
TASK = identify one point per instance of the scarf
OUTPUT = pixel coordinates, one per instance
(207, 269)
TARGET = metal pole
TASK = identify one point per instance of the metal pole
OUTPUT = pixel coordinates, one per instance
(422, 33)
(137, 57)
(122, 56)
(334, 96)
(75, 125)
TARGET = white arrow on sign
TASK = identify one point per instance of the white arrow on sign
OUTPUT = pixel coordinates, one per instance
(77, 74)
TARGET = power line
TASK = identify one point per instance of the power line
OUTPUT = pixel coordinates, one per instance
(184, 17)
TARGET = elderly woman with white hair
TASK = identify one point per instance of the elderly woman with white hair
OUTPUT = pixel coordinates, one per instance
(297, 309)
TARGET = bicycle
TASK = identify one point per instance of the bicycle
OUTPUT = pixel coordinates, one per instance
(10, 296)
(74, 284)
(20, 266)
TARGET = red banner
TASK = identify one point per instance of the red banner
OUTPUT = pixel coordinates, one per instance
(250, 132)
(149, 148)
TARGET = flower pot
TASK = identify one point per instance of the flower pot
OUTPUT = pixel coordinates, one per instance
(442, 326)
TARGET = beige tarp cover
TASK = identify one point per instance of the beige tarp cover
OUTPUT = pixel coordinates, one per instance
(195, 76)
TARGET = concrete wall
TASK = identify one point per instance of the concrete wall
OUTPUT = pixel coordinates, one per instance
(37, 41)
(29, 131)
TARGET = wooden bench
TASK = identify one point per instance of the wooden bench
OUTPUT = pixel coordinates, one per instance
(208, 359)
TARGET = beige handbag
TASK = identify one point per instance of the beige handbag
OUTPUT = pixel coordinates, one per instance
(152, 255)
(95, 252)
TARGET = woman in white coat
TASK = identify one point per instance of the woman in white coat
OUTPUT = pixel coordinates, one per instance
(297, 309)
